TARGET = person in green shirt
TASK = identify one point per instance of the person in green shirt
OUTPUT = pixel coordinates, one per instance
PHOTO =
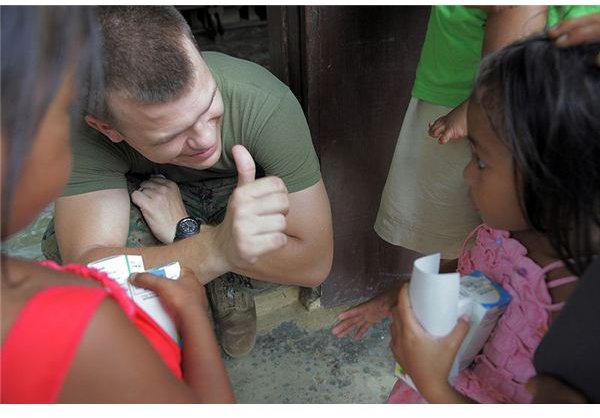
(425, 205)
(200, 158)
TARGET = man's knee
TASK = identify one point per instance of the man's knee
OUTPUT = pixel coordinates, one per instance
(207, 199)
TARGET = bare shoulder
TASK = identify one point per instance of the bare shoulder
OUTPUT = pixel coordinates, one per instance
(23, 279)
(116, 364)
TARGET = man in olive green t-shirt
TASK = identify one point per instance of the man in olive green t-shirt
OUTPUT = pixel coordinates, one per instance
(216, 156)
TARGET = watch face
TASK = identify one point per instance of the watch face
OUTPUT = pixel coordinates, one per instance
(188, 226)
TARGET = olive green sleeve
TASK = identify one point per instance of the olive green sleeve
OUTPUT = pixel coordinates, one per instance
(98, 163)
(284, 146)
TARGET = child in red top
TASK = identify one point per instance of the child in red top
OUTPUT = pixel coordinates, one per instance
(68, 333)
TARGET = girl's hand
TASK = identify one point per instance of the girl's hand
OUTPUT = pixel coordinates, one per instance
(452, 126)
(177, 296)
(425, 358)
(365, 315)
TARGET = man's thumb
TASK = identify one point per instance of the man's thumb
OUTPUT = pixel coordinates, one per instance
(246, 168)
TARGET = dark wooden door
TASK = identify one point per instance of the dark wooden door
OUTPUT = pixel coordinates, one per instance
(352, 68)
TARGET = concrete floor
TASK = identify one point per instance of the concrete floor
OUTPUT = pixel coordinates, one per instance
(297, 360)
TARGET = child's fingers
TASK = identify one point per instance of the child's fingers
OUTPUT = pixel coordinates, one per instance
(399, 311)
(446, 137)
(395, 331)
(437, 128)
(568, 25)
(580, 35)
(407, 317)
(403, 300)
(458, 333)
(344, 327)
(562, 28)
(362, 331)
(338, 329)
(343, 333)
(147, 281)
(576, 31)
(452, 134)
(350, 313)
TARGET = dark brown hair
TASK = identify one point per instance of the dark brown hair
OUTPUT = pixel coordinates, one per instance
(145, 59)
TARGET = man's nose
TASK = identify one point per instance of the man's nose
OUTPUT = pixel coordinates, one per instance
(200, 136)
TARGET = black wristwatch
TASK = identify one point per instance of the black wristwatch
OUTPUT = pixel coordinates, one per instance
(187, 227)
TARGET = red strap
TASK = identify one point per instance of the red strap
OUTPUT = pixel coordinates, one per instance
(39, 348)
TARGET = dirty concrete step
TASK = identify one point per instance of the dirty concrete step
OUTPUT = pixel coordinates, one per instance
(275, 298)
(281, 304)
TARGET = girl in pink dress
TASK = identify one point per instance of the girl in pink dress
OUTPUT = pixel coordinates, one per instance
(534, 122)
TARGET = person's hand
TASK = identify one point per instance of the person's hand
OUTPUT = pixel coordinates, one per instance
(160, 202)
(178, 297)
(547, 389)
(256, 215)
(577, 31)
(365, 315)
(425, 358)
(452, 126)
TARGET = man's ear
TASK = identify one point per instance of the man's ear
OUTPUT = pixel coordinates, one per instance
(104, 128)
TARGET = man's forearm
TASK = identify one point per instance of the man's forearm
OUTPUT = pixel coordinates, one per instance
(197, 253)
(296, 263)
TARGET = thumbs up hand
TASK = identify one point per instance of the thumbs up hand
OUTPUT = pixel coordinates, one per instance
(256, 215)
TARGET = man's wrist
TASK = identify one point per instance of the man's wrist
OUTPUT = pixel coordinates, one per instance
(214, 263)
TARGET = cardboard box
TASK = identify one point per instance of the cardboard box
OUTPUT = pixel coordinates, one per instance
(485, 301)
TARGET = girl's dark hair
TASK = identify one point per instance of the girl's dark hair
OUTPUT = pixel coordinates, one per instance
(38, 45)
(544, 103)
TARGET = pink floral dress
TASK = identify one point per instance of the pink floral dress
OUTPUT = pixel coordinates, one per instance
(499, 373)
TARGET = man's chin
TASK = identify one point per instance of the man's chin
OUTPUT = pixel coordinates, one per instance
(193, 166)
(197, 165)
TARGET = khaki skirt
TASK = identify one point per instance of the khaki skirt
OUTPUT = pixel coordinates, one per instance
(425, 205)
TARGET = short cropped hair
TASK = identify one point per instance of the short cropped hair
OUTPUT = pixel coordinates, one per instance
(145, 59)
(544, 103)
